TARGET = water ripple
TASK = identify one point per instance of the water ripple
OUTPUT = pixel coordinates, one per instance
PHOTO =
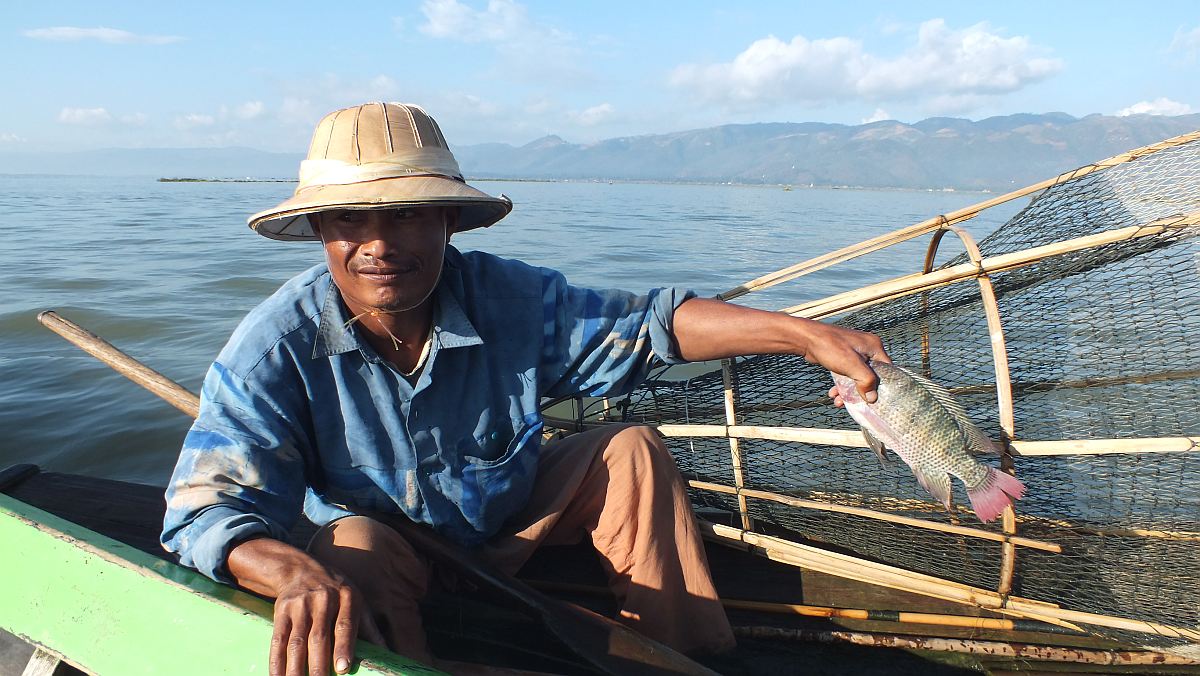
(165, 272)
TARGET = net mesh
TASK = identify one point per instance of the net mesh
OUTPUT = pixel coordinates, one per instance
(1101, 345)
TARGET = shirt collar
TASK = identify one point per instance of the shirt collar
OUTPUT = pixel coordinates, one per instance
(451, 326)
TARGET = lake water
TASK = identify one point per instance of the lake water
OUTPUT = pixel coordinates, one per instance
(166, 270)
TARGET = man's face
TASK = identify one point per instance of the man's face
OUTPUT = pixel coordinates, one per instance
(386, 259)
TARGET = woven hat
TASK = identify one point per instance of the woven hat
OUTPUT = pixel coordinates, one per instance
(374, 156)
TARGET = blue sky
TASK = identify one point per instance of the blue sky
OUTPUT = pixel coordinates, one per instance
(259, 74)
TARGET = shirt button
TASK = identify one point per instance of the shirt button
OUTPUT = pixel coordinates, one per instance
(416, 415)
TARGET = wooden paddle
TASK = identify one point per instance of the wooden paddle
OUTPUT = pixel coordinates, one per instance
(610, 647)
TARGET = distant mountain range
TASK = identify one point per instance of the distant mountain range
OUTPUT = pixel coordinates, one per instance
(996, 153)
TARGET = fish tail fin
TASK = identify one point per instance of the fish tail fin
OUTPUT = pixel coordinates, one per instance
(996, 492)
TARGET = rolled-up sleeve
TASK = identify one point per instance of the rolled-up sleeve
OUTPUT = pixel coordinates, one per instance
(240, 475)
(602, 342)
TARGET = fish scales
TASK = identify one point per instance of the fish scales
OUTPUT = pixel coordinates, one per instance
(920, 421)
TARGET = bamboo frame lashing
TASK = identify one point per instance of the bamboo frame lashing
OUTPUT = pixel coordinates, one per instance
(918, 229)
(729, 377)
(1004, 394)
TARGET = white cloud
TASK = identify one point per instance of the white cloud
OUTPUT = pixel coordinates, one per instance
(503, 20)
(469, 103)
(539, 106)
(134, 120)
(322, 94)
(112, 36)
(100, 117)
(595, 115)
(878, 116)
(300, 111)
(193, 120)
(249, 110)
(381, 88)
(531, 49)
(10, 138)
(944, 62)
(302, 101)
(1159, 106)
(1186, 42)
(88, 117)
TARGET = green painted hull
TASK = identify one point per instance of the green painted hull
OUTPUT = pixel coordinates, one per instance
(108, 608)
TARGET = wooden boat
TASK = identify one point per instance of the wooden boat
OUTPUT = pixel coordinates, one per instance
(86, 582)
(806, 551)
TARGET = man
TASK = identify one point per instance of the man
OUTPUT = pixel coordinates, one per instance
(403, 376)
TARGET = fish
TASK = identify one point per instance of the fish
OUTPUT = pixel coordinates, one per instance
(921, 422)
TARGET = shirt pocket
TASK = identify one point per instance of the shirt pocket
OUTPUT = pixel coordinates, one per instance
(493, 489)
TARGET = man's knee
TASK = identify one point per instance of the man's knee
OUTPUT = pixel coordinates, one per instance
(361, 547)
(642, 447)
(352, 532)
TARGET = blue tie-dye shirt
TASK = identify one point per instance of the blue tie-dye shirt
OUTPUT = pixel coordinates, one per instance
(297, 410)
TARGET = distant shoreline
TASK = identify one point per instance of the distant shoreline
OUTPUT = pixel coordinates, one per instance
(784, 186)
(226, 180)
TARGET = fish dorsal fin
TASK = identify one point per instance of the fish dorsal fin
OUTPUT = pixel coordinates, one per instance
(977, 441)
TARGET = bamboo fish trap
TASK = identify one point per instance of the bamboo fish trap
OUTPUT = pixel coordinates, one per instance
(1070, 334)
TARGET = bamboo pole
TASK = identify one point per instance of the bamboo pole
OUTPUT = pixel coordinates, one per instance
(904, 234)
(1112, 622)
(1082, 383)
(840, 503)
(169, 390)
(735, 449)
(862, 614)
(1181, 535)
(996, 649)
(843, 565)
(879, 516)
(1106, 446)
(909, 284)
(854, 438)
(1018, 387)
(850, 252)
(1004, 394)
(900, 617)
(870, 572)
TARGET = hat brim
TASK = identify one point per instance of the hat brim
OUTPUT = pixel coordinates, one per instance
(288, 220)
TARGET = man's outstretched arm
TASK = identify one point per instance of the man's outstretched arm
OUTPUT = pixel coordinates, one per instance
(706, 328)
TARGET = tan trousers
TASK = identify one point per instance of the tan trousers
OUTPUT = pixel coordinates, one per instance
(617, 485)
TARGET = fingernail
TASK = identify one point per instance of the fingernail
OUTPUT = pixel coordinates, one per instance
(342, 665)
